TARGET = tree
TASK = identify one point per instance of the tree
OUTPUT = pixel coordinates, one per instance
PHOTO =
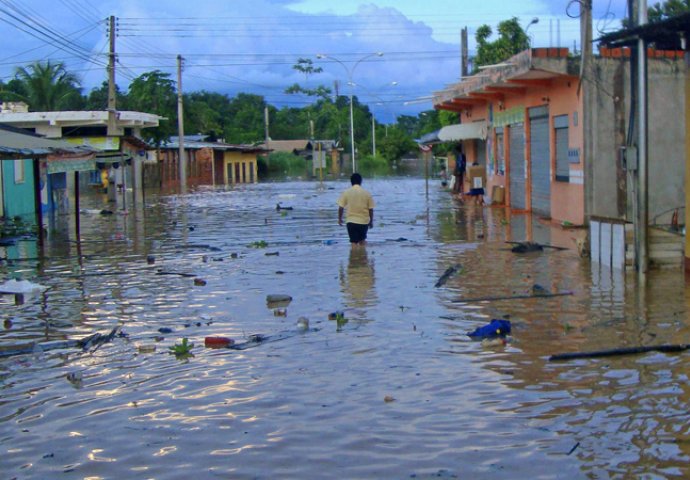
(47, 87)
(207, 113)
(154, 92)
(670, 8)
(98, 98)
(512, 40)
(245, 119)
(396, 144)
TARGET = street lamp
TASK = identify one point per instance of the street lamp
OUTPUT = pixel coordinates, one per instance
(350, 73)
(532, 22)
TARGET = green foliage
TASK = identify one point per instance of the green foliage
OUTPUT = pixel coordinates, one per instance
(446, 118)
(246, 112)
(206, 113)
(396, 144)
(98, 98)
(370, 164)
(306, 66)
(669, 8)
(283, 163)
(258, 244)
(154, 92)
(182, 350)
(48, 87)
(512, 40)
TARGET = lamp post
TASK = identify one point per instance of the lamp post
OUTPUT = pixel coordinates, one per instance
(350, 73)
(532, 22)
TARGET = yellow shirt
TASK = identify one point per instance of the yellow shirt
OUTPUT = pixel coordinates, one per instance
(357, 202)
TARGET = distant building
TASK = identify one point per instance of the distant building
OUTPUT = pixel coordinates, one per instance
(322, 153)
(207, 162)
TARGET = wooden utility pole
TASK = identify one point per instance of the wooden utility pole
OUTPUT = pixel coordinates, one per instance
(112, 97)
(588, 98)
(180, 129)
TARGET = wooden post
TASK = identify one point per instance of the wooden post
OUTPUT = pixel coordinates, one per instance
(76, 206)
(37, 203)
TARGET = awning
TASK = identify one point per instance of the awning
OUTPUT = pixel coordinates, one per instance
(463, 131)
(455, 133)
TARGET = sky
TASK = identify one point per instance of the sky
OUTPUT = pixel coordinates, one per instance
(391, 54)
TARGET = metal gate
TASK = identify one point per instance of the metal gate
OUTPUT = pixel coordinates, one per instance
(517, 166)
(540, 160)
(481, 152)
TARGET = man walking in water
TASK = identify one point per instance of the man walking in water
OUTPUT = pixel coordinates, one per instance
(359, 205)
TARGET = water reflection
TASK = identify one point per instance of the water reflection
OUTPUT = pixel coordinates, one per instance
(357, 280)
(318, 396)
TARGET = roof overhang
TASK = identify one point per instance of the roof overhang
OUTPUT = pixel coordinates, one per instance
(72, 119)
(494, 83)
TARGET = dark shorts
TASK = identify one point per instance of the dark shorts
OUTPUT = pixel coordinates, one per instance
(357, 232)
(476, 191)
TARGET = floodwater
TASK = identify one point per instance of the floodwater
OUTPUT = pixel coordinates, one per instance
(395, 390)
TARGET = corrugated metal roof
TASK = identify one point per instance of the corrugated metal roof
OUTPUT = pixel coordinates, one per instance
(15, 143)
(194, 145)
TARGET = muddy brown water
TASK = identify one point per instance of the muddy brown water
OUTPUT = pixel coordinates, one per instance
(397, 390)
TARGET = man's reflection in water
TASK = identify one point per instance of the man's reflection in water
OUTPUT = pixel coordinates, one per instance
(357, 280)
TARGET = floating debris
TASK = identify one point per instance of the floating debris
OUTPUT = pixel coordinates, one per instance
(528, 247)
(218, 342)
(495, 328)
(450, 271)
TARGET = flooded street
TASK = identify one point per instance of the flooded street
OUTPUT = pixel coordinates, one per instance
(394, 390)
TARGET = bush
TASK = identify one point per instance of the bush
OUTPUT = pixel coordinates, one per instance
(282, 163)
(369, 164)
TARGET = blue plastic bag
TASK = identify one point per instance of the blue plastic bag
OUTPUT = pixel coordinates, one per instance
(495, 328)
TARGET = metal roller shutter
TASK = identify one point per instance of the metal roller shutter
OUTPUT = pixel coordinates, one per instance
(517, 166)
(540, 161)
(481, 152)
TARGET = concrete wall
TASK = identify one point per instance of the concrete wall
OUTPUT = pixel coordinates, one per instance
(612, 186)
(19, 197)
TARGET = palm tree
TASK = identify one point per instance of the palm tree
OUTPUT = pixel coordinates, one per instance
(49, 86)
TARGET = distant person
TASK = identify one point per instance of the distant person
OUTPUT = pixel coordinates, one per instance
(358, 206)
(443, 175)
(477, 176)
(459, 171)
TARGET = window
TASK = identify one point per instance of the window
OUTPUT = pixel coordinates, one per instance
(19, 173)
(562, 161)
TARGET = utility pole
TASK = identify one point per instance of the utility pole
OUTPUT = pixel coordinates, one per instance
(112, 97)
(180, 128)
(588, 99)
(642, 217)
(464, 54)
(373, 135)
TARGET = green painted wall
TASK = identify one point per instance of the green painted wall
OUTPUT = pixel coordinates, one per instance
(18, 197)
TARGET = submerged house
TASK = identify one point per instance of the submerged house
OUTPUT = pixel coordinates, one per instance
(115, 135)
(550, 134)
(208, 162)
(322, 154)
(34, 171)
